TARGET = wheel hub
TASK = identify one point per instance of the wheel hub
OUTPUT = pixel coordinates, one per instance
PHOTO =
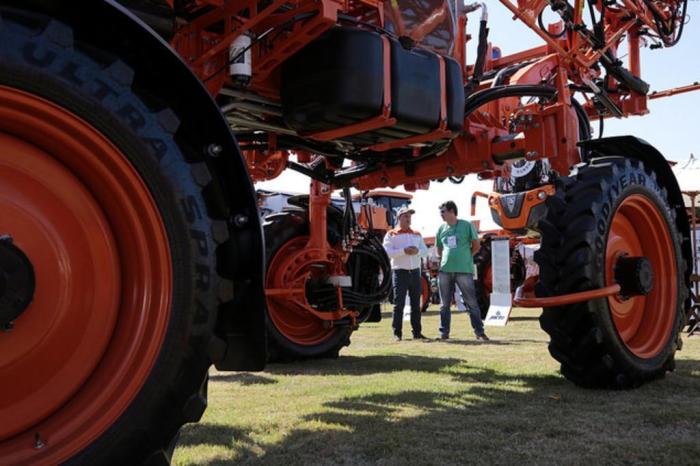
(635, 276)
(16, 282)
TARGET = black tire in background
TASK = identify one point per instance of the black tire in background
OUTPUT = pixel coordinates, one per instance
(482, 262)
(279, 229)
(585, 338)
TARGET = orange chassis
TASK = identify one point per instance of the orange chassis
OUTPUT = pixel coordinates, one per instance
(547, 129)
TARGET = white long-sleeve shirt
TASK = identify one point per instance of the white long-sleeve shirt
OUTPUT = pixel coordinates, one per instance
(396, 240)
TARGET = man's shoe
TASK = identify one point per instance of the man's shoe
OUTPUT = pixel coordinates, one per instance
(397, 337)
(483, 337)
(420, 336)
(444, 337)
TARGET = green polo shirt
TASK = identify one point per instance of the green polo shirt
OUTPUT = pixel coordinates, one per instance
(456, 243)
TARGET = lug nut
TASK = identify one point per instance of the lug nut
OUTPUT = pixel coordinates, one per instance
(38, 443)
(214, 150)
(240, 220)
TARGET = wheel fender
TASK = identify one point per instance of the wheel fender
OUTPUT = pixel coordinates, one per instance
(633, 147)
(109, 26)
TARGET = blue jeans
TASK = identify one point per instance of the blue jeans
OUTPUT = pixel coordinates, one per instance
(406, 280)
(465, 282)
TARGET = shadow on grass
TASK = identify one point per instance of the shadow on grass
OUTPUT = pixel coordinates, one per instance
(440, 426)
(475, 342)
(368, 429)
(687, 366)
(243, 378)
(365, 365)
(524, 319)
(480, 415)
(212, 434)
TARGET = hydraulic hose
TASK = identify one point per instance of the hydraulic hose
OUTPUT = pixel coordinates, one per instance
(478, 99)
(481, 51)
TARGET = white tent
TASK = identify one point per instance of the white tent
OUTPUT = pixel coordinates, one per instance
(688, 176)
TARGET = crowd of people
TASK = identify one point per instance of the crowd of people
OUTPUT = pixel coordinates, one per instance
(456, 242)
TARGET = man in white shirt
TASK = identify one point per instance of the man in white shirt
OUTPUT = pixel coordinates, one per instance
(405, 247)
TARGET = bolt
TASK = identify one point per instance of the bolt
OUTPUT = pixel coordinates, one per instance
(8, 327)
(240, 220)
(541, 195)
(214, 150)
(38, 443)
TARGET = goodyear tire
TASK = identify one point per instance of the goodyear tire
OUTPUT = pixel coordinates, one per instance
(293, 335)
(609, 208)
(110, 358)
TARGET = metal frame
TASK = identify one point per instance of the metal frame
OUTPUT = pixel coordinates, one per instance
(549, 129)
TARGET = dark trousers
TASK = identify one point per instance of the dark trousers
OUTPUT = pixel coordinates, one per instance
(406, 280)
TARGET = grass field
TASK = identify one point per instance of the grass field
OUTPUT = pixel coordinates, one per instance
(444, 402)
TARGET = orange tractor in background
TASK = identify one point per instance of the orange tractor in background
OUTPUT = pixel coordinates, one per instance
(132, 255)
(376, 215)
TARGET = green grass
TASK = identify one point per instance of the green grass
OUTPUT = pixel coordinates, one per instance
(453, 402)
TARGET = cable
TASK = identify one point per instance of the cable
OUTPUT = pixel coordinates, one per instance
(377, 28)
(584, 123)
(540, 23)
(481, 51)
(507, 72)
(667, 34)
(598, 26)
(478, 99)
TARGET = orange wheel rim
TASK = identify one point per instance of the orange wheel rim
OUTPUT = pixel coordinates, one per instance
(83, 348)
(638, 229)
(290, 315)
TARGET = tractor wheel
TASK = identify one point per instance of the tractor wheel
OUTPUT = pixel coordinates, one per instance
(108, 260)
(293, 333)
(603, 218)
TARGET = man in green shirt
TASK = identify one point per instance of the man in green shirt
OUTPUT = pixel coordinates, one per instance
(457, 241)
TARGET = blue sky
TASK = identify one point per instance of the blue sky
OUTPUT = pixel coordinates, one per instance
(672, 126)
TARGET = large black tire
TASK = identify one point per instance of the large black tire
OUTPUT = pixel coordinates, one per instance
(40, 57)
(279, 229)
(584, 337)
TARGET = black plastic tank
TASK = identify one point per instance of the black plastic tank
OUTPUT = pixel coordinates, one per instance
(334, 81)
(338, 80)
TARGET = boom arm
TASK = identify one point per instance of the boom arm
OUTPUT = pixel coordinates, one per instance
(580, 53)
